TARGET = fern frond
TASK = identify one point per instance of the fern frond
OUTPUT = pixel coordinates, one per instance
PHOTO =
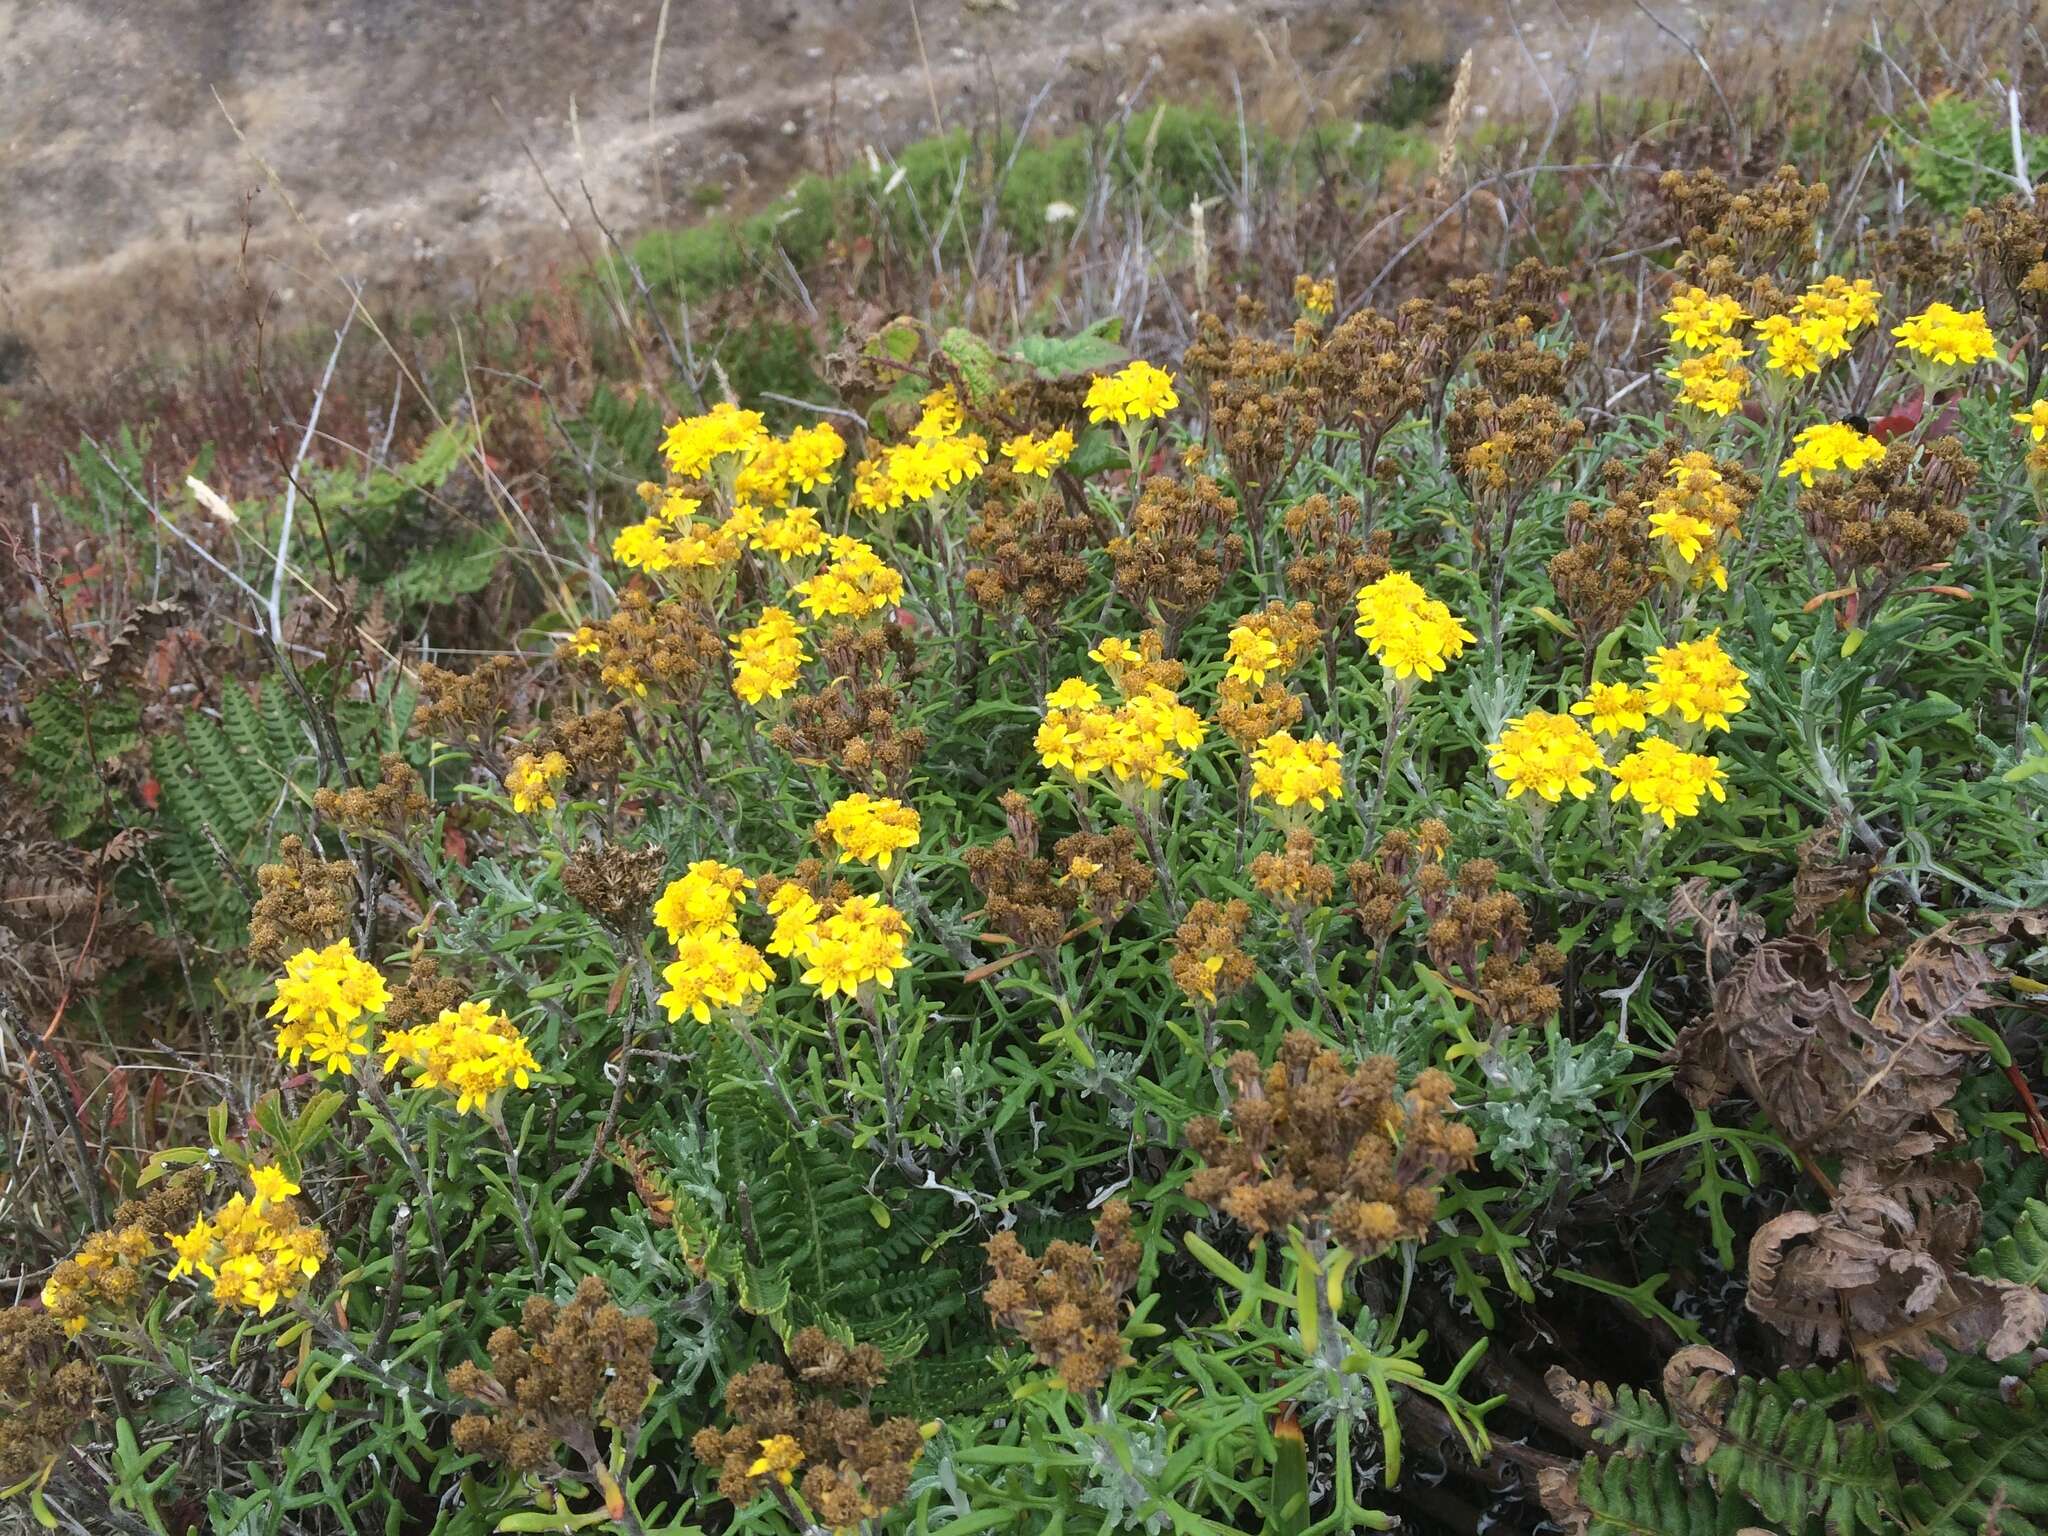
(1650, 1496)
(2020, 1256)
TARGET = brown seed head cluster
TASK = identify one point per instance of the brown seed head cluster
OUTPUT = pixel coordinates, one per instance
(1336, 553)
(552, 1379)
(106, 1270)
(46, 1393)
(850, 1467)
(1179, 551)
(1022, 895)
(1890, 519)
(1262, 416)
(458, 707)
(397, 799)
(1107, 870)
(615, 884)
(1295, 881)
(1069, 1304)
(853, 730)
(1500, 453)
(594, 743)
(305, 902)
(1383, 885)
(1209, 963)
(1725, 231)
(2010, 241)
(1031, 557)
(424, 995)
(648, 643)
(1332, 1152)
(1478, 936)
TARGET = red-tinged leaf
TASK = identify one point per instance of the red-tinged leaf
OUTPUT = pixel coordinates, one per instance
(151, 791)
(455, 844)
(611, 1000)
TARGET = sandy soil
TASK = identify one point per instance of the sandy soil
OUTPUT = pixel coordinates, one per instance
(409, 138)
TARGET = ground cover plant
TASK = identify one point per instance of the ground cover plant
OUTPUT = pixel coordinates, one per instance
(1345, 922)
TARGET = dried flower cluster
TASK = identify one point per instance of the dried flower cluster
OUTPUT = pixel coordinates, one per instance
(1332, 1152)
(1068, 1303)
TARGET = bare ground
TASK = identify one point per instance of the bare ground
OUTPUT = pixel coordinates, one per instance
(156, 152)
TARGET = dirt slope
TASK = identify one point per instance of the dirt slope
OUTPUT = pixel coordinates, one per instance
(401, 129)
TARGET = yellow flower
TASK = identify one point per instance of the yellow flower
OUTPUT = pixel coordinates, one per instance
(469, 1053)
(1948, 336)
(1410, 633)
(1139, 392)
(1699, 320)
(1836, 299)
(1829, 446)
(1667, 782)
(1318, 299)
(1612, 709)
(1032, 455)
(257, 1253)
(1789, 348)
(868, 830)
(796, 913)
(941, 415)
(780, 1457)
(712, 969)
(2035, 419)
(814, 453)
(863, 941)
(1697, 681)
(534, 780)
(695, 444)
(271, 1185)
(708, 896)
(854, 584)
(1713, 382)
(1074, 693)
(1289, 772)
(321, 995)
(767, 656)
(1548, 754)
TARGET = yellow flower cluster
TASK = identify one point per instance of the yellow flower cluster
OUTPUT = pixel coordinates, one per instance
(105, 1272)
(533, 781)
(1697, 681)
(1259, 647)
(323, 996)
(708, 896)
(937, 457)
(1317, 298)
(695, 444)
(1613, 708)
(1139, 392)
(1288, 772)
(855, 583)
(868, 830)
(918, 470)
(864, 940)
(713, 967)
(1547, 755)
(1948, 337)
(780, 1457)
(1829, 446)
(1702, 322)
(767, 656)
(778, 469)
(256, 1250)
(1692, 517)
(795, 535)
(1713, 382)
(1409, 632)
(469, 1053)
(673, 540)
(1030, 454)
(1667, 781)
(1139, 741)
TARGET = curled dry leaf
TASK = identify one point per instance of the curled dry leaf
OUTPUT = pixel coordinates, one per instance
(1881, 1271)
(1698, 1382)
(1787, 1026)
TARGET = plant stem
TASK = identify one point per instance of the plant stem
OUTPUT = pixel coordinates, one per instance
(519, 1205)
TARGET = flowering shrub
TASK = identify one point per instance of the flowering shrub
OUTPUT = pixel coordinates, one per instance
(1131, 944)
